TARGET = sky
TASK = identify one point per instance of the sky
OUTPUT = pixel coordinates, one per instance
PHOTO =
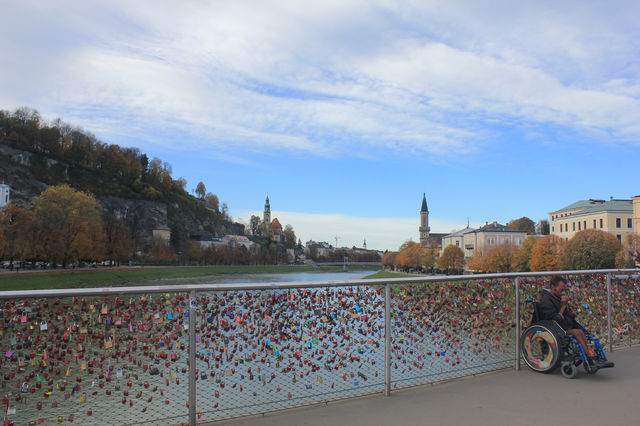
(345, 112)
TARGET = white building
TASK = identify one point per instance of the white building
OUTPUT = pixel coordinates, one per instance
(5, 195)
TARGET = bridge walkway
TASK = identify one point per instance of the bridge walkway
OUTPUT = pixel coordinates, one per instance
(506, 397)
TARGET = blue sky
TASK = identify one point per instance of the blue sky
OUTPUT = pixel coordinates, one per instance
(345, 112)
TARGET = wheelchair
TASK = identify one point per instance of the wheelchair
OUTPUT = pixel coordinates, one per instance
(545, 346)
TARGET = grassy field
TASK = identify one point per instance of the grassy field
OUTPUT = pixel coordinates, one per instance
(130, 276)
(387, 274)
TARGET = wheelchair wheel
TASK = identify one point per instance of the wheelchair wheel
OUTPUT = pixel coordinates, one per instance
(568, 370)
(541, 347)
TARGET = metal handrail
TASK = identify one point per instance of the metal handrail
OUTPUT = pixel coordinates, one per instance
(185, 288)
(193, 290)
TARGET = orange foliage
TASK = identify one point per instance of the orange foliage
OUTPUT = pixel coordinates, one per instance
(546, 253)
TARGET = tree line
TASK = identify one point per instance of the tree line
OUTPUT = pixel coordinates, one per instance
(588, 249)
(69, 226)
(94, 166)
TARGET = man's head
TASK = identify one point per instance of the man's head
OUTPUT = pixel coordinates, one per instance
(558, 285)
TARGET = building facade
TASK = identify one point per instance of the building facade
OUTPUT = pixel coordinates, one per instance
(636, 214)
(490, 236)
(457, 239)
(5, 195)
(613, 216)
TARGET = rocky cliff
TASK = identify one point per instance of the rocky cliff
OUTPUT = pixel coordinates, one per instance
(28, 174)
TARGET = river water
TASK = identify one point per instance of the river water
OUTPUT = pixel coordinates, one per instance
(288, 277)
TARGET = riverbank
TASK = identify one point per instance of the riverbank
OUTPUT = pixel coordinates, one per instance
(147, 275)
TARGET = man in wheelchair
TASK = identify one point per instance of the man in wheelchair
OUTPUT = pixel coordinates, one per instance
(554, 305)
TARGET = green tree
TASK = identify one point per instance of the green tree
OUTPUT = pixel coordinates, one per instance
(452, 259)
(289, 237)
(69, 224)
(523, 224)
(201, 190)
(523, 256)
(591, 249)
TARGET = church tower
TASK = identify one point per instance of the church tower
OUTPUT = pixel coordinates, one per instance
(267, 213)
(424, 222)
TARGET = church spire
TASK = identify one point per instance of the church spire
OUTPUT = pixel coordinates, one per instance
(267, 212)
(424, 222)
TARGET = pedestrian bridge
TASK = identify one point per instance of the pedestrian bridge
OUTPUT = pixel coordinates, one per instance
(505, 397)
(223, 352)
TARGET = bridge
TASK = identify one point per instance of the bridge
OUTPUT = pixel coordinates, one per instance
(505, 397)
(441, 350)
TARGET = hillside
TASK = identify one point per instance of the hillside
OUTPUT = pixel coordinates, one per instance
(142, 193)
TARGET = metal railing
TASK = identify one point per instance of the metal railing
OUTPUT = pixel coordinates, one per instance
(189, 353)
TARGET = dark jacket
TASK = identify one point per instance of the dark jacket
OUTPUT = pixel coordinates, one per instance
(549, 309)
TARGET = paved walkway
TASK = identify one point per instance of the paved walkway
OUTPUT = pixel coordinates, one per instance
(507, 397)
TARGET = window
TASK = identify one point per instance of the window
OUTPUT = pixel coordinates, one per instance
(585, 224)
(574, 226)
(619, 237)
(601, 224)
(553, 229)
(457, 243)
(629, 223)
(491, 241)
(579, 226)
(618, 222)
(594, 224)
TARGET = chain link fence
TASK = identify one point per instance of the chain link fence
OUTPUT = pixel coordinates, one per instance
(122, 355)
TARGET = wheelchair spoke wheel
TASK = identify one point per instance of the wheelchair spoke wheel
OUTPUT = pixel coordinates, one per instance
(540, 348)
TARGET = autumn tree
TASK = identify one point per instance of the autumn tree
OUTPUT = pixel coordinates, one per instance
(161, 252)
(16, 228)
(523, 224)
(452, 259)
(629, 255)
(195, 253)
(493, 259)
(212, 201)
(118, 242)
(201, 190)
(289, 237)
(523, 256)
(546, 253)
(409, 255)
(500, 258)
(389, 258)
(69, 225)
(591, 249)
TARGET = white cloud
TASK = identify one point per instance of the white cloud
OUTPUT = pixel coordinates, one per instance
(329, 78)
(381, 233)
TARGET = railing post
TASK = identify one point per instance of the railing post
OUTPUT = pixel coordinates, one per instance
(192, 358)
(517, 315)
(387, 339)
(609, 333)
